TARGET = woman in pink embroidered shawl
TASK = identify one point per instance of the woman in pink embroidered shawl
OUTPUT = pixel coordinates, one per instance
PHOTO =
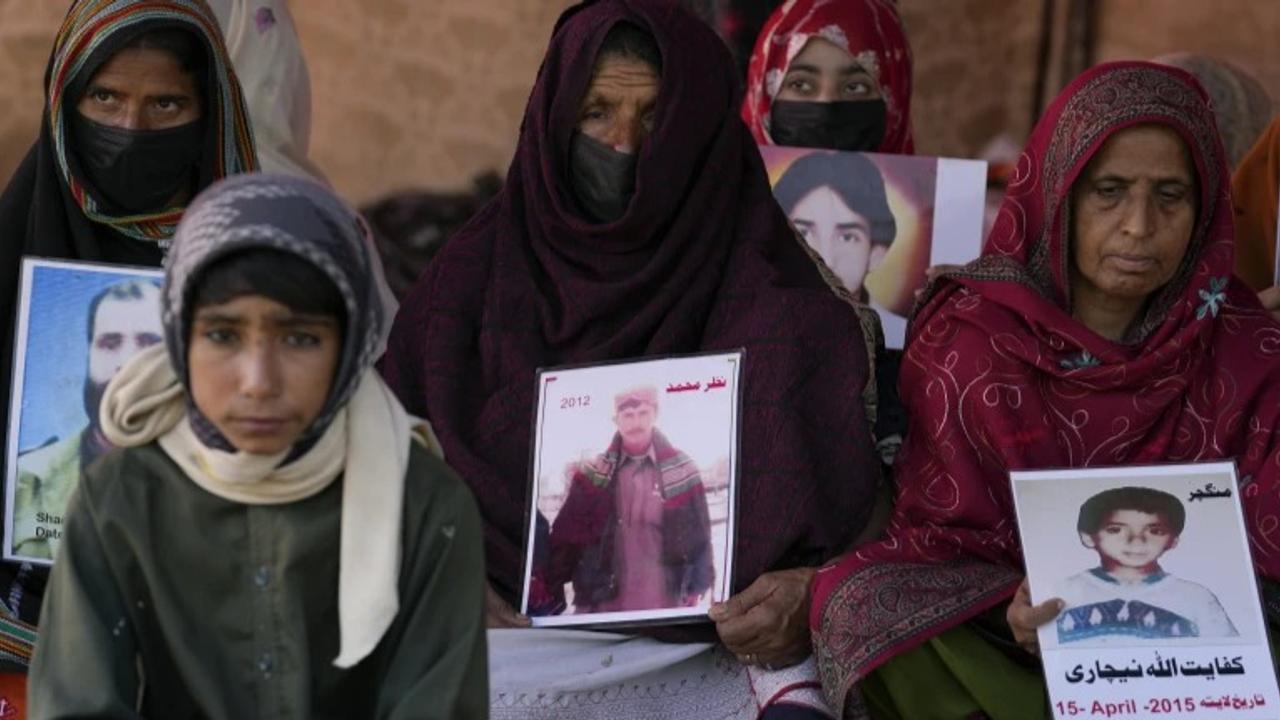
(1101, 326)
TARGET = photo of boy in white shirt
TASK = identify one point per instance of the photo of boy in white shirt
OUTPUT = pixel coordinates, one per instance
(1129, 595)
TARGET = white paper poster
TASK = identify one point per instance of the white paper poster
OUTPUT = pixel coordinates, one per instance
(880, 221)
(634, 484)
(78, 323)
(1162, 614)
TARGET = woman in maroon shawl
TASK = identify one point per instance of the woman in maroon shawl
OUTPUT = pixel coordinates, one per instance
(1101, 326)
(692, 254)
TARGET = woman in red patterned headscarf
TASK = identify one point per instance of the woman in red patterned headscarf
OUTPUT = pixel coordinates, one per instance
(1101, 326)
(833, 74)
(836, 75)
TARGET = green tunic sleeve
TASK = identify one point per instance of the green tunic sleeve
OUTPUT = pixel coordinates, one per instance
(251, 629)
(437, 666)
(86, 657)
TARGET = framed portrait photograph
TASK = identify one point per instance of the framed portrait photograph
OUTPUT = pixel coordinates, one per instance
(880, 221)
(633, 491)
(1162, 614)
(77, 324)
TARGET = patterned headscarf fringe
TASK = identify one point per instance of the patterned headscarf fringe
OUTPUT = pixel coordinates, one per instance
(91, 23)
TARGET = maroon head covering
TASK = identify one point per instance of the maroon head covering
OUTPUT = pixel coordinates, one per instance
(999, 376)
(702, 260)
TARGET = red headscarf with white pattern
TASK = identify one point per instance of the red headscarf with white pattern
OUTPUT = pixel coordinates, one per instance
(869, 30)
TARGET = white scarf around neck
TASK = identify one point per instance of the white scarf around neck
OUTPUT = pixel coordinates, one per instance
(367, 442)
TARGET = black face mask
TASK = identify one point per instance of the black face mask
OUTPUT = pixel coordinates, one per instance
(850, 125)
(136, 171)
(603, 178)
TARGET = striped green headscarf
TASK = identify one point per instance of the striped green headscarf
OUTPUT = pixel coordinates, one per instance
(92, 25)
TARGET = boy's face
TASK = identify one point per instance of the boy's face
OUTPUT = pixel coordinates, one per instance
(260, 371)
(1131, 538)
(840, 234)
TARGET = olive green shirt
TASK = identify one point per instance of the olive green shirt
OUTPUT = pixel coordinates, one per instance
(46, 478)
(169, 602)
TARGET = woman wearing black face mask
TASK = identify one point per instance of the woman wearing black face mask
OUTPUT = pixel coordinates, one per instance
(832, 74)
(142, 110)
(616, 118)
(836, 74)
(636, 220)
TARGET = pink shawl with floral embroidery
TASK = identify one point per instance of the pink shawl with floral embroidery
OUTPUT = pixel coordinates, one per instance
(998, 376)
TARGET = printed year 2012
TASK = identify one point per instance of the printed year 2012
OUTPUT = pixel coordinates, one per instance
(576, 401)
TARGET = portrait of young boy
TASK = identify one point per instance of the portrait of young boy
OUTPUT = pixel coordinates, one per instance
(276, 536)
(1129, 594)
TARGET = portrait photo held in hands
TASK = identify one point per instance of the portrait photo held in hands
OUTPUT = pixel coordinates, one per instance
(879, 222)
(56, 433)
(637, 526)
(1150, 587)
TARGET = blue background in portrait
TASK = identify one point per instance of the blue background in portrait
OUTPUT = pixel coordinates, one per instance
(57, 356)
